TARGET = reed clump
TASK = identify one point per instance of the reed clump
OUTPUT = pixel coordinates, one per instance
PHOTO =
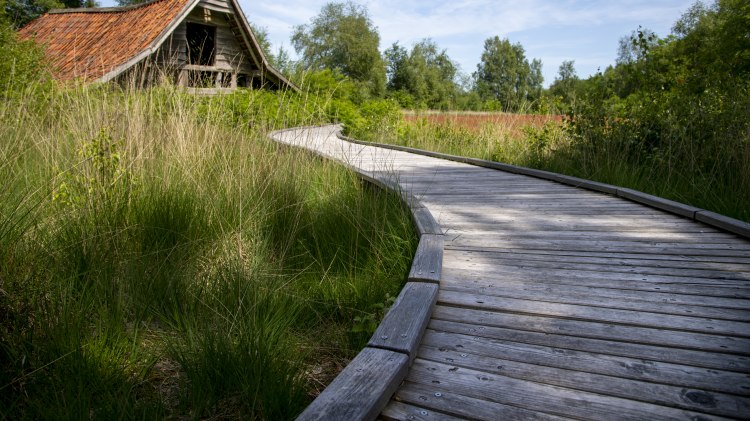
(160, 257)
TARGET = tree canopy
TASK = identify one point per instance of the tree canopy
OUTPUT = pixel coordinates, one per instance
(505, 75)
(21, 12)
(343, 38)
(423, 78)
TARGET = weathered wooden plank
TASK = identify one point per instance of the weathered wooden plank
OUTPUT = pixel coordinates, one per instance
(573, 311)
(612, 301)
(708, 237)
(606, 254)
(540, 397)
(585, 184)
(692, 399)
(658, 202)
(445, 401)
(425, 222)
(216, 5)
(402, 328)
(625, 247)
(690, 353)
(455, 194)
(489, 261)
(591, 280)
(428, 259)
(399, 411)
(610, 291)
(449, 348)
(558, 222)
(362, 389)
(478, 268)
(724, 222)
(638, 260)
(598, 330)
(460, 223)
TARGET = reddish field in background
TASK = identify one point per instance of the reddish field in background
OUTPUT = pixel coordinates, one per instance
(476, 121)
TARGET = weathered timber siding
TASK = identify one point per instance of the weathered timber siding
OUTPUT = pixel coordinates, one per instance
(231, 54)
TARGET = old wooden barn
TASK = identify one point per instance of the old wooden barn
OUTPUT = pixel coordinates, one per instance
(204, 45)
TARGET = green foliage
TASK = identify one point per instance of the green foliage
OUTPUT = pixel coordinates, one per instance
(21, 64)
(505, 75)
(342, 38)
(371, 120)
(564, 88)
(189, 267)
(99, 179)
(366, 324)
(424, 78)
(675, 112)
(21, 12)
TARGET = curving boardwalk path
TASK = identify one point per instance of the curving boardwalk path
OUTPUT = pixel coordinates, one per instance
(557, 302)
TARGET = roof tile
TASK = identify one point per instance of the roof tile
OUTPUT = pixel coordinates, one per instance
(96, 42)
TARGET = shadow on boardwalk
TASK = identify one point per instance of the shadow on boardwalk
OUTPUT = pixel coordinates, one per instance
(557, 302)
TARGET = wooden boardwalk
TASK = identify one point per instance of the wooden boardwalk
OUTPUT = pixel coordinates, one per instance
(557, 302)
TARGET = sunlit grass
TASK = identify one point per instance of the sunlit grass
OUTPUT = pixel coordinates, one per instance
(711, 176)
(159, 257)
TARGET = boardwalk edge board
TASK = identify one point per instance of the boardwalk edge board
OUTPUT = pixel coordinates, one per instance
(725, 223)
(362, 390)
(403, 327)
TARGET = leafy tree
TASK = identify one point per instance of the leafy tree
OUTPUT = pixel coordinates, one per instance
(536, 79)
(343, 38)
(565, 84)
(677, 108)
(21, 62)
(505, 75)
(21, 12)
(636, 46)
(427, 75)
(397, 63)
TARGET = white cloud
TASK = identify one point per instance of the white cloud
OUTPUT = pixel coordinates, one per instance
(461, 26)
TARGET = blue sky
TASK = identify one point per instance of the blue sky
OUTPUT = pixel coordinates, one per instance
(586, 31)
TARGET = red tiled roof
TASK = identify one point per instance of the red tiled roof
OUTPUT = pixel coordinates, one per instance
(90, 44)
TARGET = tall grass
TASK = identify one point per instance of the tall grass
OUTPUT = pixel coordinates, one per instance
(159, 257)
(712, 175)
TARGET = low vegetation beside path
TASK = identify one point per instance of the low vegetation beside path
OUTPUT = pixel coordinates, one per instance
(160, 257)
(713, 175)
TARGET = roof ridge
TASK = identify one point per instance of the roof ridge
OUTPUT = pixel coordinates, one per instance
(103, 9)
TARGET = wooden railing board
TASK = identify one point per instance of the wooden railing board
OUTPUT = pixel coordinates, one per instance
(401, 330)
(362, 389)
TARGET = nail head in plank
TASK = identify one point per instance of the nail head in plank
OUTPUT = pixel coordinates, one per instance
(402, 328)
(401, 411)
(362, 389)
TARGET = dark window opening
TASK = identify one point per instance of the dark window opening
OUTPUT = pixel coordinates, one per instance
(226, 80)
(201, 42)
(242, 80)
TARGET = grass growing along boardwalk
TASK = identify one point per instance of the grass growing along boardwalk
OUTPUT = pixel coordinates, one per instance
(711, 176)
(159, 257)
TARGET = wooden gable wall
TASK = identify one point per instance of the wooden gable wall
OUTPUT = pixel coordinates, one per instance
(232, 56)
